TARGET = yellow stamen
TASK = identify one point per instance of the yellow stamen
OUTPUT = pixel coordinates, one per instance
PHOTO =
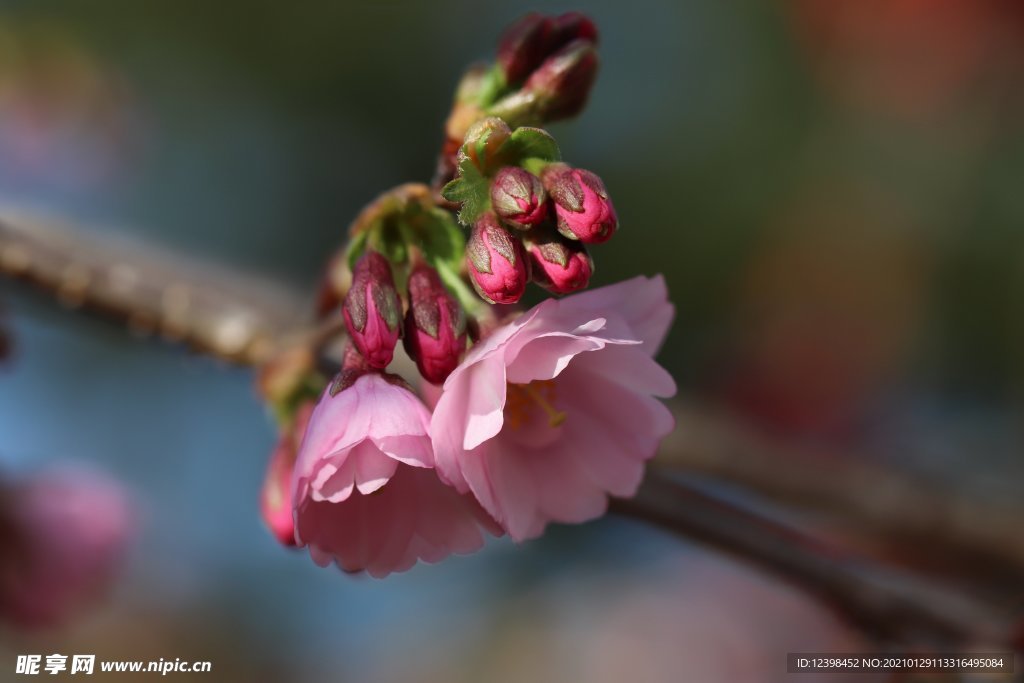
(521, 397)
(555, 417)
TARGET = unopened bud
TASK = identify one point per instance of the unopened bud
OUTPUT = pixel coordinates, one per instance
(559, 265)
(572, 26)
(496, 261)
(435, 326)
(372, 310)
(524, 45)
(276, 496)
(518, 197)
(562, 83)
(582, 206)
(484, 139)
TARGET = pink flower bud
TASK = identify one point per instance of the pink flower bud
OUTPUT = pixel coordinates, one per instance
(559, 265)
(562, 83)
(435, 325)
(496, 261)
(518, 197)
(524, 45)
(372, 310)
(276, 497)
(582, 205)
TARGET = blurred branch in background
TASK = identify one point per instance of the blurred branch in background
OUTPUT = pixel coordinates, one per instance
(242, 320)
(234, 317)
(890, 606)
(901, 510)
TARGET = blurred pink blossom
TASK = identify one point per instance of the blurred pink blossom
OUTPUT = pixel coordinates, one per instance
(556, 410)
(276, 495)
(364, 489)
(65, 537)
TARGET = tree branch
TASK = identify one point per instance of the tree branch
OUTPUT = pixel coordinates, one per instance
(231, 316)
(876, 501)
(894, 608)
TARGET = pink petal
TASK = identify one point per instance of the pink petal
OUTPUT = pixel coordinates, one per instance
(485, 397)
(373, 469)
(641, 302)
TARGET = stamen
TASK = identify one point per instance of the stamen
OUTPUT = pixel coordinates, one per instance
(523, 399)
(555, 417)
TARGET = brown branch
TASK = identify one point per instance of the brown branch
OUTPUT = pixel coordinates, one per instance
(892, 607)
(876, 501)
(231, 316)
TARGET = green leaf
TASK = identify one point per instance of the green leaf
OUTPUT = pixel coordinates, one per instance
(530, 143)
(471, 190)
(442, 238)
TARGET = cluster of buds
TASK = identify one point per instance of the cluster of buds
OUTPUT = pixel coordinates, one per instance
(434, 326)
(531, 216)
(544, 71)
(553, 61)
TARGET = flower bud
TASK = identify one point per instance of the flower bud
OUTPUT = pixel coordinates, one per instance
(582, 205)
(518, 197)
(435, 325)
(484, 139)
(276, 497)
(527, 43)
(496, 261)
(562, 83)
(372, 310)
(572, 26)
(559, 265)
(524, 45)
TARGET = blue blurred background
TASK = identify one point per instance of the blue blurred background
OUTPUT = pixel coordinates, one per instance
(831, 188)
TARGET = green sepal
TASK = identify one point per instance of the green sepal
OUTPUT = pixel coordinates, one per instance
(356, 247)
(491, 86)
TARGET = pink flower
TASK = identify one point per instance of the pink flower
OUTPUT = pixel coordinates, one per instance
(276, 495)
(64, 538)
(555, 411)
(365, 492)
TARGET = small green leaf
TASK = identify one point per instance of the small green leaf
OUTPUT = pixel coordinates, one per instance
(530, 143)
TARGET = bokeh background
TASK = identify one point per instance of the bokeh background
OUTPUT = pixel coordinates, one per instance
(831, 188)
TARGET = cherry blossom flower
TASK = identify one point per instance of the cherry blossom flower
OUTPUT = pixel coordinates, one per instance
(365, 492)
(555, 411)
